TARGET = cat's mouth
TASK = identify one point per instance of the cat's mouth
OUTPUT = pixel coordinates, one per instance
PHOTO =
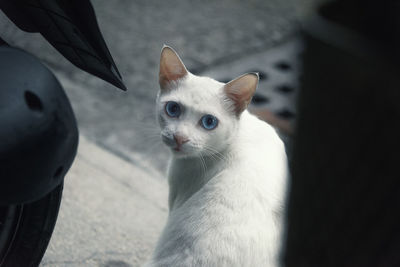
(179, 149)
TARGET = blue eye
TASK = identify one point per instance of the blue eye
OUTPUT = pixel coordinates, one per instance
(209, 122)
(173, 109)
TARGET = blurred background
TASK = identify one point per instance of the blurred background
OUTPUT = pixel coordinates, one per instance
(100, 224)
(206, 34)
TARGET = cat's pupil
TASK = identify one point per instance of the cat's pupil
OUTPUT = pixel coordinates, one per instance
(172, 109)
(209, 122)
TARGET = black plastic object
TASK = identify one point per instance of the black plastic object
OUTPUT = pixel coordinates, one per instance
(344, 203)
(38, 132)
(71, 27)
(25, 230)
(2, 42)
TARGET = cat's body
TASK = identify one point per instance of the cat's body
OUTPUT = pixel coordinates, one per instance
(227, 184)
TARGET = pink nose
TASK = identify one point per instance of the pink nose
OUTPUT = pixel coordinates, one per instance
(180, 139)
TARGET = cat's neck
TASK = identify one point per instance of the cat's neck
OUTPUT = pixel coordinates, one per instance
(188, 175)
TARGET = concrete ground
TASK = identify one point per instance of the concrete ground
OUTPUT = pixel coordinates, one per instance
(111, 214)
(114, 202)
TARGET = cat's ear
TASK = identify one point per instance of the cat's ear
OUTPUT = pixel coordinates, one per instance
(171, 67)
(241, 90)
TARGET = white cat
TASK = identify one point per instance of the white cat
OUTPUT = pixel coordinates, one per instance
(227, 175)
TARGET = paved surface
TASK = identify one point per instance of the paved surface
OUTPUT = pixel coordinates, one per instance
(111, 214)
(114, 204)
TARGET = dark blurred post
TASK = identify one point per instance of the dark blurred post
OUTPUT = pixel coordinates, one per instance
(344, 199)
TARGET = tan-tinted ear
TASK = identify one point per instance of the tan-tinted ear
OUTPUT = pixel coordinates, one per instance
(241, 90)
(171, 67)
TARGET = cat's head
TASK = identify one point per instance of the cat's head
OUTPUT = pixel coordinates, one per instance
(199, 115)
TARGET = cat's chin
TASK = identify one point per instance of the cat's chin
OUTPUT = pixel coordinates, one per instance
(179, 153)
(182, 153)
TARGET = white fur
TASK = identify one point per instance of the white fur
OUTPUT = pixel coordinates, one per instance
(226, 202)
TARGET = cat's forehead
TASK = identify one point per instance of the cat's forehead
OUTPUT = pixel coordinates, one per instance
(200, 93)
